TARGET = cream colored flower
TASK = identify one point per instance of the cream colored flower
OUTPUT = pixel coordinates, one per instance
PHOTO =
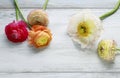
(38, 17)
(85, 28)
(106, 49)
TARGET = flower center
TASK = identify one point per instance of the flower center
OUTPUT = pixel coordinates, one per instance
(42, 40)
(85, 28)
(14, 34)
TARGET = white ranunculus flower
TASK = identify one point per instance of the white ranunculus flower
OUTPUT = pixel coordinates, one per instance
(85, 28)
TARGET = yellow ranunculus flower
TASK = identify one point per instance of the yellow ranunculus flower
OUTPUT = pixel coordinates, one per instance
(106, 49)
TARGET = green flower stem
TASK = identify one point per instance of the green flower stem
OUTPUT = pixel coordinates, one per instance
(16, 4)
(111, 12)
(45, 5)
(117, 49)
(17, 13)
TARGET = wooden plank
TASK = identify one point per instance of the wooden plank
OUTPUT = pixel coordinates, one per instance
(60, 3)
(61, 75)
(62, 55)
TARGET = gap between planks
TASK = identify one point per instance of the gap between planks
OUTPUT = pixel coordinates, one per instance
(29, 72)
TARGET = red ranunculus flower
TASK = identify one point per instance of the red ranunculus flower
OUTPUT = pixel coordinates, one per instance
(16, 31)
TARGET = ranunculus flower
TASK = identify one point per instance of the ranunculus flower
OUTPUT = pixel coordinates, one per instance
(107, 50)
(16, 31)
(38, 17)
(39, 36)
(85, 28)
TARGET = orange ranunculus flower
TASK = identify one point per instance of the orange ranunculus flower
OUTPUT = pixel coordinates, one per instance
(39, 36)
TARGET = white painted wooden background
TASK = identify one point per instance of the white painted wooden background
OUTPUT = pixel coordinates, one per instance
(62, 59)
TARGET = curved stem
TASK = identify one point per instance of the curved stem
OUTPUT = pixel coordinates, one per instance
(111, 12)
(45, 5)
(21, 14)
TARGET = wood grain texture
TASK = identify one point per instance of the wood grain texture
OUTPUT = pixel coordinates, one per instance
(62, 58)
(62, 55)
(60, 3)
